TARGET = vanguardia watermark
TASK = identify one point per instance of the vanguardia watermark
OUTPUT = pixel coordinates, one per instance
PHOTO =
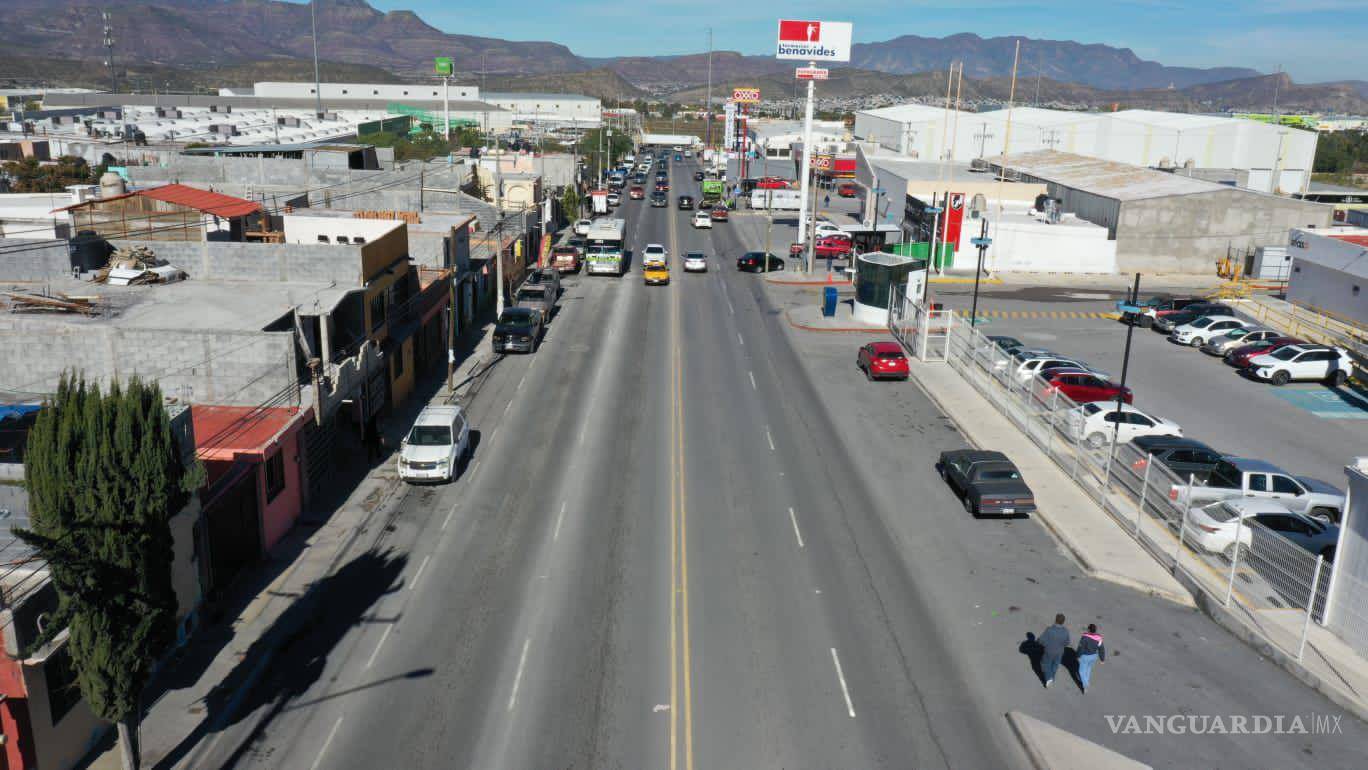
(1228, 724)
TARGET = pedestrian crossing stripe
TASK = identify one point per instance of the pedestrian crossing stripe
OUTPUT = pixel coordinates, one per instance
(1043, 314)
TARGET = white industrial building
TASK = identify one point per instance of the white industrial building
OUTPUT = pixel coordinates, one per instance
(1244, 153)
(1330, 273)
(538, 108)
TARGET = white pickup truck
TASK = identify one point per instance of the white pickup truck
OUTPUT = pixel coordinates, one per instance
(1243, 477)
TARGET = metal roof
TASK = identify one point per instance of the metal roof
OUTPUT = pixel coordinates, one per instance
(237, 149)
(906, 113)
(1039, 116)
(218, 204)
(537, 95)
(1110, 179)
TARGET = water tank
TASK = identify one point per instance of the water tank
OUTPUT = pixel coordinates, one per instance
(89, 251)
(111, 185)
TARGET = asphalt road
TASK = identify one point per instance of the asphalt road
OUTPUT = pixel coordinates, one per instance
(672, 550)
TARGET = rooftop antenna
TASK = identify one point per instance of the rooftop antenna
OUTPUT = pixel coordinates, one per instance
(318, 84)
(109, 50)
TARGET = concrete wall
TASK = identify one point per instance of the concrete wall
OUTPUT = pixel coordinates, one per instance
(1190, 233)
(278, 514)
(231, 170)
(38, 261)
(62, 744)
(246, 368)
(1347, 607)
(1031, 246)
(284, 262)
(1322, 279)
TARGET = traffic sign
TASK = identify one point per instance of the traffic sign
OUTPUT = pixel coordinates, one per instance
(812, 73)
(746, 95)
(981, 242)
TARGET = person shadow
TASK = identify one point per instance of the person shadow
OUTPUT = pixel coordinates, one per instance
(1034, 652)
(1070, 664)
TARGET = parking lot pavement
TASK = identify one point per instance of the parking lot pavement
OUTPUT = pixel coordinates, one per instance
(1307, 428)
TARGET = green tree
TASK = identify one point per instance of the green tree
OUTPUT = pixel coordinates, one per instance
(570, 202)
(31, 176)
(104, 478)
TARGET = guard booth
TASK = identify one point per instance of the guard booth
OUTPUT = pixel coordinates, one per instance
(866, 240)
(877, 277)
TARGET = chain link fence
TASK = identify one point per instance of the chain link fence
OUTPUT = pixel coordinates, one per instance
(1252, 566)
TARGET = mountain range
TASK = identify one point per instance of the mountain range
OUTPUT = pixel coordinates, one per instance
(224, 35)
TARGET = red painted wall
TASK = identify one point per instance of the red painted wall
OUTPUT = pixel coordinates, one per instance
(14, 717)
(279, 515)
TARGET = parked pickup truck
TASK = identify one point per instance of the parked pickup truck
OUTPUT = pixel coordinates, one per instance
(566, 259)
(1243, 477)
(538, 297)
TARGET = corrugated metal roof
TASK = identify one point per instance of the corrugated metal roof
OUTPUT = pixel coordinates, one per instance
(1039, 116)
(225, 432)
(906, 113)
(1120, 181)
(218, 204)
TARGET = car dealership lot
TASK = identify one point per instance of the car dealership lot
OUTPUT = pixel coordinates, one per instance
(1306, 428)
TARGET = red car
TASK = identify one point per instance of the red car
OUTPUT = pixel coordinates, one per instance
(1239, 357)
(636, 193)
(883, 361)
(828, 246)
(718, 214)
(772, 183)
(1080, 387)
(847, 190)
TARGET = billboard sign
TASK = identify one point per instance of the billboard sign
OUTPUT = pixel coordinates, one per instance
(729, 127)
(746, 95)
(443, 66)
(811, 73)
(954, 219)
(813, 40)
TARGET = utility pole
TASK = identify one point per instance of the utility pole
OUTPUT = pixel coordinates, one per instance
(707, 108)
(806, 169)
(982, 242)
(769, 225)
(318, 83)
(1125, 367)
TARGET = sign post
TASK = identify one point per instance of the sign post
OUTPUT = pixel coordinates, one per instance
(443, 67)
(810, 41)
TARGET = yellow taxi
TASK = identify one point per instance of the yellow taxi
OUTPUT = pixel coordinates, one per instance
(656, 273)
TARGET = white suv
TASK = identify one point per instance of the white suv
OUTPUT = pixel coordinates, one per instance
(1303, 362)
(1095, 421)
(1205, 328)
(436, 445)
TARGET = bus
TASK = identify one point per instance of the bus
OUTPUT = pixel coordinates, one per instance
(603, 255)
(713, 190)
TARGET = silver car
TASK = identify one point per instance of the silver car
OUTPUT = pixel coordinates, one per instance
(1219, 346)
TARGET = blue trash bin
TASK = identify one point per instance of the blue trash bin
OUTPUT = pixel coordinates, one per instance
(829, 301)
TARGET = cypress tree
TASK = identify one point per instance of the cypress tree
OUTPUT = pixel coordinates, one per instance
(104, 479)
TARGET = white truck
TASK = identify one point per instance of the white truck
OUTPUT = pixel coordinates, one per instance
(776, 200)
(603, 252)
(599, 200)
(1245, 477)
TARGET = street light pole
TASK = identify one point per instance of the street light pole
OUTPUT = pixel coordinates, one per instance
(318, 84)
(707, 108)
(982, 243)
(1125, 367)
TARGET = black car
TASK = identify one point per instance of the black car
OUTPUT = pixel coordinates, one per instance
(987, 482)
(685, 202)
(518, 329)
(639, 179)
(1184, 456)
(1167, 323)
(754, 262)
(662, 176)
(1004, 343)
(659, 201)
(698, 176)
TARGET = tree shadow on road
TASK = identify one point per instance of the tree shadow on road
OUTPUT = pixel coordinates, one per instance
(290, 656)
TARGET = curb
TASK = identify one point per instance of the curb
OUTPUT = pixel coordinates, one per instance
(1065, 539)
(1037, 759)
(834, 330)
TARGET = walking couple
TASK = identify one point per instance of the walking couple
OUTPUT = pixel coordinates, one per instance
(1055, 640)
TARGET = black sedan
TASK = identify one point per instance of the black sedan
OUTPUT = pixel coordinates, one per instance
(1184, 456)
(987, 482)
(659, 201)
(698, 176)
(685, 202)
(754, 262)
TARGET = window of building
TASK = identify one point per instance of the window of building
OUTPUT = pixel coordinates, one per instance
(434, 93)
(399, 362)
(275, 475)
(1356, 291)
(358, 240)
(377, 311)
(322, 239)
(375, 92)
(406, 93)
(60, 676)
(344, 90)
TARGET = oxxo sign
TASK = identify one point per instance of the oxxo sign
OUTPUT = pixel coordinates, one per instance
(746, 95)
(813, 40)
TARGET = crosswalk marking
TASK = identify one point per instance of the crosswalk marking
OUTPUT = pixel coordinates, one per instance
(1043, 314)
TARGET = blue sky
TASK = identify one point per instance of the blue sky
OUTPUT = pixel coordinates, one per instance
(1313, 40)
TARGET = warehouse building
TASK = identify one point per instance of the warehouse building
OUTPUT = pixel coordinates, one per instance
(1162, 221)
(1246, 153)
(1330, 273)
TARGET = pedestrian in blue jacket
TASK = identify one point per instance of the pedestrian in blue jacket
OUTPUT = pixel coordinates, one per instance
(1090, 651)
(1053, 640)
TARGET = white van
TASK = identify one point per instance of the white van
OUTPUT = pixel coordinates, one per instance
(436, 445)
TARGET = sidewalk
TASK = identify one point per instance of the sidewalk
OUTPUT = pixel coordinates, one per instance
(1050, 748)
(1087, 532)
(202, 687)
(809, 318)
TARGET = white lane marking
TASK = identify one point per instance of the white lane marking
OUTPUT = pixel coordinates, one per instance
(753, 385)
(450, 513)
(769, 438)
(318, 761)
(475, 467)
(507, 407)
(383, 638)
(517, 678)
(850, 707)
(559, 518)
(794, 519)
(520, 383)
(739, 340)
(583, 428)
(423, 565)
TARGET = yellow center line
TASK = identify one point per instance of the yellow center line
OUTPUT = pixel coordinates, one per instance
(679, 530)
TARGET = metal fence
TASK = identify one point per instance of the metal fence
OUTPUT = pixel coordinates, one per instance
(1257, 569)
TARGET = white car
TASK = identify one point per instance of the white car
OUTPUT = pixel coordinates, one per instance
(702, 219)
(1213, 526)
(582, 226)
(1303, 362)
(826, 228)
(1204, 328)
(695, 262)
(1030, 367)
(614, 199)
(1096, 421)
(436, 445)
(1219, 346)
(688, 153)
(654, 253)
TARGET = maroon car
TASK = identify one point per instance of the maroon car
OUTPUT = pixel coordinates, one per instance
(1080, 386)
(1239, 357)
(883, 361)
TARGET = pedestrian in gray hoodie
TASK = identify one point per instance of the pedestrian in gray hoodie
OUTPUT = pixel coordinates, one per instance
(1053, 640)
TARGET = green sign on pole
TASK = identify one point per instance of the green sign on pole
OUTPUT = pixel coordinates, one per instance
(442, 66)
